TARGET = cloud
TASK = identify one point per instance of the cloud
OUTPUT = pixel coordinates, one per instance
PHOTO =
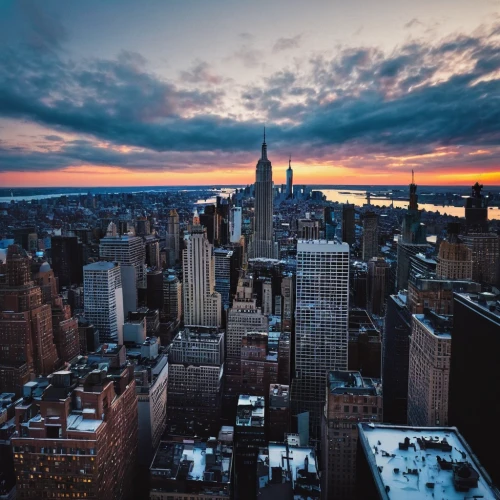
(46, 32)
(201, 73)
(356, 104)
(282, 44)
(412, 23)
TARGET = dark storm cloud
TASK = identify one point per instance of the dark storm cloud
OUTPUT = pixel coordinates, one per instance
(415, 99)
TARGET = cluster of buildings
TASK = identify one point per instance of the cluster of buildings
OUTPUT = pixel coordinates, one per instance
(269, 344)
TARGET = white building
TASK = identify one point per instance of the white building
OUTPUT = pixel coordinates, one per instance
(321, 322)
(202, 304)
(130, 253)
(235, 225)
(103, 300)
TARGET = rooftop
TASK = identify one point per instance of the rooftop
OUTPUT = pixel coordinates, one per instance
(100, 266)
(250, 411)
(423, 462)
(294, 466)
(192, 460)
(485, 302)
(438, 325)
(351, 382)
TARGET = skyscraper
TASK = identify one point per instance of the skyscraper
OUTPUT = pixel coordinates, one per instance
(235, 230)
(413, 239)
(454, 261)
(67, 260)
(263, 241)
(202, 304)
(289, 179)
(395, 354)
(173, 242)
(129, 252)
(26, 334)
(85, 424)
(103, 300)
(429, 370)
(378, 285)
(321, 323)
(350, 399)
(348, 223)
(474, 374)
(370, 235)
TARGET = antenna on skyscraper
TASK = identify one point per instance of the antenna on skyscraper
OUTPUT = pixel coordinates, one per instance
(264, 134)
(412, 177)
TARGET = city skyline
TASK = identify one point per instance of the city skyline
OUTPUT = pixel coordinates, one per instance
(158, 96)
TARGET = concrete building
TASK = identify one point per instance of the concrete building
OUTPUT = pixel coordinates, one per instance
(365, 345)
(321, 323)
(370, 236)
(235, 225)
(244, 316)
(288, 471)
(474, 375)
(223, 275)
(201, 303)
(485, 256)
(350, 399)
(429, 370)
(195, 370)
(418, 462)
(263, 245)
(454, 261)
(173, 237)
(348, 224)
(436, 294)
(103, 299)
(249, 436)
(151, 377)
(134, 330)
(26, 333)
(129, 252)
(85, 423)
(307, 229)
(279, 412)
(65, 328)
(378, 285)
(413, 239)
(395, 359)
(172, 298)
(191, 468)
(67, 260)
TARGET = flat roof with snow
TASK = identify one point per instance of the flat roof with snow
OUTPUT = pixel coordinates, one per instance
(423, 462)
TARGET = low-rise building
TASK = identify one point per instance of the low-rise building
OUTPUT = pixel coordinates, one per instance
(192, 469)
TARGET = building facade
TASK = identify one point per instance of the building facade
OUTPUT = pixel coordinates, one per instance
(321, 323)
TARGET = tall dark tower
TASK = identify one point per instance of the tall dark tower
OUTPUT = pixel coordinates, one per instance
(263, 244)
(413, 237)
(413, 194)
(289, 179)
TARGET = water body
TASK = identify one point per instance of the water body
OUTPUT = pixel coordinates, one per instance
(358, 197)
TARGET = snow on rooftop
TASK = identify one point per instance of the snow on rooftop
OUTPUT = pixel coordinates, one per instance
(415, 473)
(77, 423)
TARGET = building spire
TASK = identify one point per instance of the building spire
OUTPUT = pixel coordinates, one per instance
(264, 146)
(290, 162)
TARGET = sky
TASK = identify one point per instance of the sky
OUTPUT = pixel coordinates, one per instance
(177, 92)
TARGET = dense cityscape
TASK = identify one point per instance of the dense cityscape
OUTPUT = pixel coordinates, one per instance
(252, 342)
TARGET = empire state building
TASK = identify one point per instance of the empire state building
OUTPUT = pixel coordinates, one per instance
(263, 244)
